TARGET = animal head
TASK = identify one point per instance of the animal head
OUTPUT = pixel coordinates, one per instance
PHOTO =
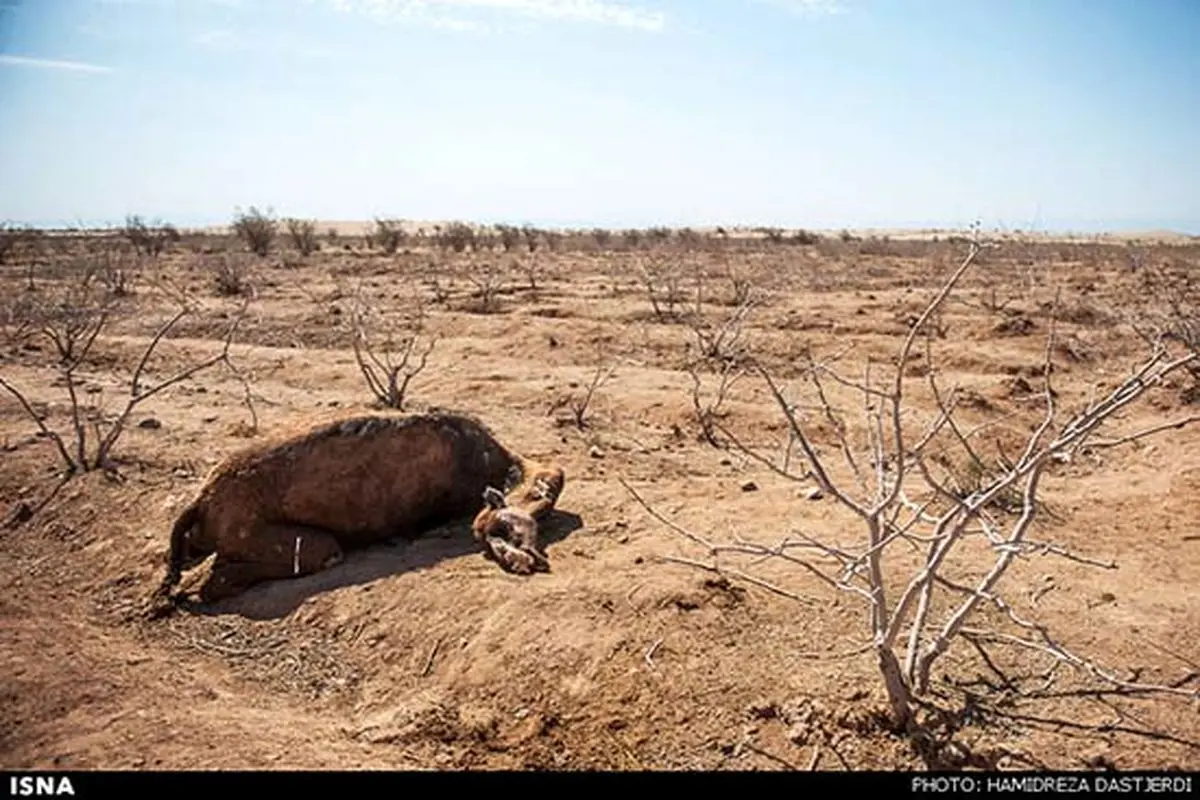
(500, 520)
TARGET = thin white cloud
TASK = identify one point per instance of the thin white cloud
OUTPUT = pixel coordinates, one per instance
(449, 13)
(807, 8)
(49, 63)
(166, 3)
(280, 44)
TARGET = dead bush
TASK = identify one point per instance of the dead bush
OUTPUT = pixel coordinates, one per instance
(456, 237)
(579, 403)
(303, 233)
(709, 392)
(488, 278)
(509, 235)
(966, 529)
(391, 349)
(72, 321)
(17, 241)
(257, 229)
(663, 281)
(389, 235)
(149, 239)
(230, 275)
(1169, 308)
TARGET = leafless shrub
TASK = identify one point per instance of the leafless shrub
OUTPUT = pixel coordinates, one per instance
(740, 285)
(439, 279)
(992, 302)
(602, 237)
(1136, 256)
(721, 341)
(18, 316)
(532, 267)
(876, 246)
(256, 228)
(1170, 304)
(1170, 307)
(389, 363)
(580, 403)
(772, 235)
(149, 240)
(14, 239)
(389, 235)
(510, 236)
(707, 404)
(116, 270)
(72, 325)
(658, 236)
(8, 241)
(488, 279)
(688, 238)
(633, 238)
(531, 237)
(457, 237)
(230, 275)
(485, 241)
(663, 283)
(905, 497)
(303, 233)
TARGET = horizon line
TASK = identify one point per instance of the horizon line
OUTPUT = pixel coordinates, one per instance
(1128, 231)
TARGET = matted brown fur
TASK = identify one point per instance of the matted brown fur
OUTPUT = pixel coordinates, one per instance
(291, 505)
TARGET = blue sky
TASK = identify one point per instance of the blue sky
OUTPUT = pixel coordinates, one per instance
(1030, 114)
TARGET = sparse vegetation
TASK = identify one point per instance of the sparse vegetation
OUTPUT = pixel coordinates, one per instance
(900, 490)
(149, 239)
(72, 322)
(303, 233)
(457, 237)
(13, 239)
(230, 275)
(579, 403)
(949, 534)
(257, 229)
(390, 350)
(488, 279)
(389, 235)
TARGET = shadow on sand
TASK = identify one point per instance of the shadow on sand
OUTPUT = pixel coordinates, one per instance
(276, 599)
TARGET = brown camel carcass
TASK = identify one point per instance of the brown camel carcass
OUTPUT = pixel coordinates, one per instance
(291, 506)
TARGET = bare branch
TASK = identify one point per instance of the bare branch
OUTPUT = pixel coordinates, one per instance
(1133, 437)
(70, 463)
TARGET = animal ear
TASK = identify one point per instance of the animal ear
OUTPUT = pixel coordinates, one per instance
(493, 497)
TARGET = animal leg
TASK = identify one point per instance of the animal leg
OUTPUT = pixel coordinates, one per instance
(229, 578)
(275, 551)
(538, 494)
(289, 551)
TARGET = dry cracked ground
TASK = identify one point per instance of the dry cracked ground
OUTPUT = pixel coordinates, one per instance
(427, 656)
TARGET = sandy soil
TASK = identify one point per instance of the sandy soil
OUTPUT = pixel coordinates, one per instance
(427, 656)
